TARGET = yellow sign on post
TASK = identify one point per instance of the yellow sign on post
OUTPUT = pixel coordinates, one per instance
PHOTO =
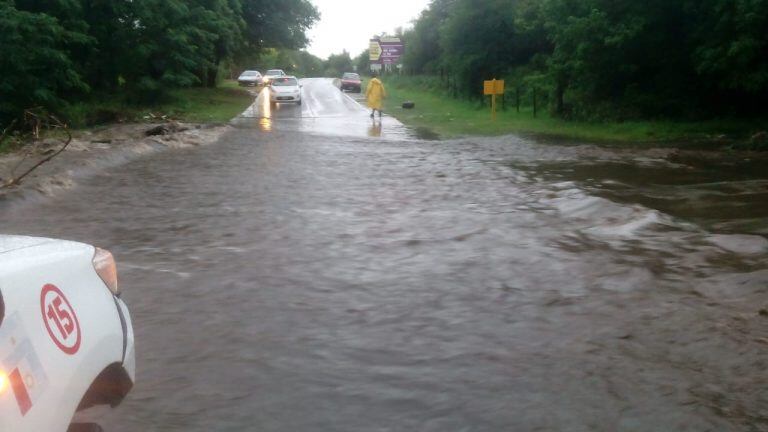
(493, 87)
(374, 51)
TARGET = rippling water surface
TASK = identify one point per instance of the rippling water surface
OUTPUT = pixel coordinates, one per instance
(285, 280)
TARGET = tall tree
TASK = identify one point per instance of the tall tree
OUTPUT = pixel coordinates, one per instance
(731, 51)
(36, 65)
(362, 62)
(337, 64)
(424, 53)
(480, 41)
(224, 28)
(605, 58)
(278, 24)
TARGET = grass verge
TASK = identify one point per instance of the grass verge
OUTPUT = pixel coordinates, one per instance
(451, 117)
(204, 105)
(196, 105)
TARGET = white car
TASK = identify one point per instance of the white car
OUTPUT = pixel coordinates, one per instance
(250, 78)
(285, 89)
(66, 338)
(272, 74)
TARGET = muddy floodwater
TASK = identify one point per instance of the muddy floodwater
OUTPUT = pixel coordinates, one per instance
(316, 271)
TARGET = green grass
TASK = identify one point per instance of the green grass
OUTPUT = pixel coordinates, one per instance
(197, 105)
(7, 145)
(204, 105)
(451, 117)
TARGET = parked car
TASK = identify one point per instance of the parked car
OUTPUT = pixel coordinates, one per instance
(352, 82)
(66, 337)
(273, 73)
(285, 89)
(250, 78)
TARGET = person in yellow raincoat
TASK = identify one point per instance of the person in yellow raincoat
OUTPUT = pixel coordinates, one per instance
(375, 94)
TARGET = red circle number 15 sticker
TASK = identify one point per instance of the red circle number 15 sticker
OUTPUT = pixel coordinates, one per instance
(60, 319)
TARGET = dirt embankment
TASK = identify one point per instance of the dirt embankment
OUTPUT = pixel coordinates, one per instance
(92, 152)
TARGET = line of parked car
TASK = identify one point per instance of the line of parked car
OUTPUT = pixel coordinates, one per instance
(283, 88)
(251, 78)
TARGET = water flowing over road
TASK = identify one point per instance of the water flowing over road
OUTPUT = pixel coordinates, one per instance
(317, 271)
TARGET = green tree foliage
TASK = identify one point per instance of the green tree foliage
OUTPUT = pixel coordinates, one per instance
(221, 28)
(278, 24)
(424, 54)
(731, 49)
(481, 40)
(604, 58)
(300, 63)
(308, 65)
(619, 55)
(337, 64)
(42, 76)
(57, 50)
(363, 62)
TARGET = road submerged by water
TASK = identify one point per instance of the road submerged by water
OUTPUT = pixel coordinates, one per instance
(317, 271)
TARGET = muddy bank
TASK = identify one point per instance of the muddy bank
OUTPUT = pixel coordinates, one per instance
(95, 151)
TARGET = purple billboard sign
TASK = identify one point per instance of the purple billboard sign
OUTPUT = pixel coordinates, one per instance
(391, 50)
(386, 50)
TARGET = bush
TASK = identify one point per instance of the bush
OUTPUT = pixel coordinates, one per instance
(34, 77)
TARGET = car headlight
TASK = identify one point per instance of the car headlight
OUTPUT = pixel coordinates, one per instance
(104, 264)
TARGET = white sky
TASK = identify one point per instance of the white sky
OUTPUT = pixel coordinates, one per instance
(349, 24)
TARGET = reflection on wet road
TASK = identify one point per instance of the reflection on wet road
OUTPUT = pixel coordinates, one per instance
(304, 276)
(325, 110)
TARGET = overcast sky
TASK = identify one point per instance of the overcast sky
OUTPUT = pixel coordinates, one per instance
(349, 24)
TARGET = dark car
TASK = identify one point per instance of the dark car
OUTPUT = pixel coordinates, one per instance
(352, 82)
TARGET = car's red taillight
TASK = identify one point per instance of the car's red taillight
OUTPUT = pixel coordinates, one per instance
(104, 264)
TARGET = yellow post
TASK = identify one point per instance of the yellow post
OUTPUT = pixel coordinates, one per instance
(493, 101)
(493, 107)
(492, 88)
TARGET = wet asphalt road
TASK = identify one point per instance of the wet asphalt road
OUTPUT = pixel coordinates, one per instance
(316, 271)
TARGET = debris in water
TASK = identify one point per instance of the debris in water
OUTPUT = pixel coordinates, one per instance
(165, 129)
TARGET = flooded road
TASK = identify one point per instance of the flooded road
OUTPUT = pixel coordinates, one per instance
(303, 275)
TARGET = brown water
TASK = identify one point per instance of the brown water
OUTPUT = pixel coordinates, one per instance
(298, 279)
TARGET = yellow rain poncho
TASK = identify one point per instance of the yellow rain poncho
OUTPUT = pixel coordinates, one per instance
(375, 94)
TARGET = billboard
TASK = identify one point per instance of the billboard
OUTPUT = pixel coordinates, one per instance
(386, 50)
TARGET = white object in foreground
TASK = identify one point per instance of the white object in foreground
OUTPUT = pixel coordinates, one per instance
(66, 338)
